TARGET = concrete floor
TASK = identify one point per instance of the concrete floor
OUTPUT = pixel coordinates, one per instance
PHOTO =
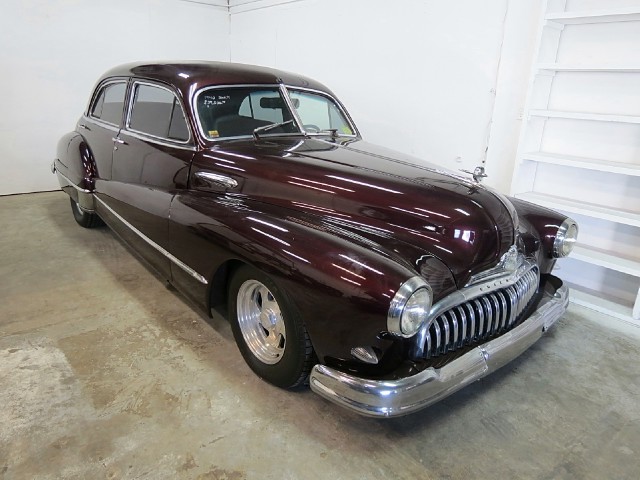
(105, 373)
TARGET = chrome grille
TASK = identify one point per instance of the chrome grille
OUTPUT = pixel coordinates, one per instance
(480, 318)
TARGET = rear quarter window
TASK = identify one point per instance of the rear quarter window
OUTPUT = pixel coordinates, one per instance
(109, 103)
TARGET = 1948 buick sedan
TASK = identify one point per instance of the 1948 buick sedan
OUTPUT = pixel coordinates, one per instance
(382, 281)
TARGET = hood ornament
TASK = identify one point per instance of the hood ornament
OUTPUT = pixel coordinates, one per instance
(478, 174)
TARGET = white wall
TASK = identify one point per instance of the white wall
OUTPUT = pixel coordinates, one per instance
(443, 80)
(53, 51)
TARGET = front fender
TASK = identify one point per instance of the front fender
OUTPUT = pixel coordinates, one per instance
(541, 226)
(341, 289)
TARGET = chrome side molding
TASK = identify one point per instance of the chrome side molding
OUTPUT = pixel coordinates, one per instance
(153, 244)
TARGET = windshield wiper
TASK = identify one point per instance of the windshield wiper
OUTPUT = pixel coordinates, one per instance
(332, 131)
(271, 126)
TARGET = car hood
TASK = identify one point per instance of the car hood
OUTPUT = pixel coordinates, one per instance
(409, 208)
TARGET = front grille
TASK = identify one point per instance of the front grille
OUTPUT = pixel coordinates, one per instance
(480, 318)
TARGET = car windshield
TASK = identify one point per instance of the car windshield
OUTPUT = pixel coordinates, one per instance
(244, 111)
(319, 113)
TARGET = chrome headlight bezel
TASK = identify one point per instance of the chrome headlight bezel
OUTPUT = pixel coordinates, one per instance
(565, 238)
(399, 303)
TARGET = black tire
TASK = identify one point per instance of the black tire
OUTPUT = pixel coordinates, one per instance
(85, 219)
(280, 353)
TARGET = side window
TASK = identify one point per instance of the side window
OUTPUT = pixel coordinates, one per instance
(108, 105)
(156, 111)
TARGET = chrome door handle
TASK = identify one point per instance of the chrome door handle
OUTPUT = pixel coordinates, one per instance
(119, 140)
(84, 127)
(222, 180)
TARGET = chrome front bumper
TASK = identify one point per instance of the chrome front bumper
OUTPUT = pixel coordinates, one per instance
(393, 398)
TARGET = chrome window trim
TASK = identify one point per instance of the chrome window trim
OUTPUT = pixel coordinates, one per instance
(167, 141)
(341, 107)
(97, 121)
(99, 89)
(292, 109)
(157, 140)
(277, 86)
(153, 244)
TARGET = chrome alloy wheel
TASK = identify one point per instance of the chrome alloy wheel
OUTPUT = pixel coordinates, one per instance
(261, 323)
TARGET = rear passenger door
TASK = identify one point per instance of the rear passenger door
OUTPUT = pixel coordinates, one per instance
(151, 159)
(102, 123)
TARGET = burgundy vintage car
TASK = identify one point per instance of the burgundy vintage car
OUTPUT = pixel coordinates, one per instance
(384, 282)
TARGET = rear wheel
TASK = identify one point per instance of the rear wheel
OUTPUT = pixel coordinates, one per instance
(84, 219)
(267, 329)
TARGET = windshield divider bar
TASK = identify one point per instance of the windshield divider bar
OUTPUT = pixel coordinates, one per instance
(287, 99)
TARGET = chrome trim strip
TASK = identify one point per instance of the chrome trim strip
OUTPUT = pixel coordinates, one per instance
(83, 190)
(478, 305)
(292, 109)
(503, 309)
(445, 328)
(472, 320)
(469, 293)
(153, 244)
(393, 398)
(156, 140)
(487, 307)
(463, 332)
(505, 267)
(100, 123)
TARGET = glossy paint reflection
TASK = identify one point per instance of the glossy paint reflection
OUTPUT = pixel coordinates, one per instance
(371, 196)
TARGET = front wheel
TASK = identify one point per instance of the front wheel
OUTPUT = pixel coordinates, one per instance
(84, 219)
(269, 333)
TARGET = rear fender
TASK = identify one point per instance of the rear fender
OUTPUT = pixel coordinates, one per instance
(76, 170)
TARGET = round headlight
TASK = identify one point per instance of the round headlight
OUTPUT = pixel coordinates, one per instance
(565, 238)
(415, 312)
(409, 309)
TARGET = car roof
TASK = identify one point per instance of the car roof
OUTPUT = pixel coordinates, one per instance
(189, 76)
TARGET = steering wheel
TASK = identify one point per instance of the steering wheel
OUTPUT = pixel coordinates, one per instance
(310, 127)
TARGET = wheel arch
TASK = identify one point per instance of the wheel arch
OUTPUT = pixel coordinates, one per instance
(219, 282)
(75, 168)
(340, 283)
